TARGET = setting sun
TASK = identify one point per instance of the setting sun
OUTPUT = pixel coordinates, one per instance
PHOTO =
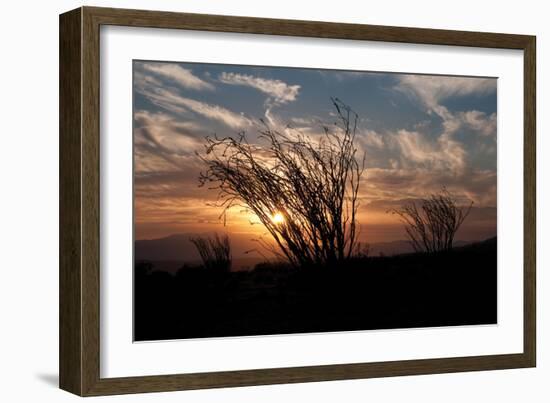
(278, 218)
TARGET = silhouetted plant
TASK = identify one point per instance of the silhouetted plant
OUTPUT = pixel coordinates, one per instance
(215, 252)
(303, 190)
(363, 250)
(432, 226)
(143, 267)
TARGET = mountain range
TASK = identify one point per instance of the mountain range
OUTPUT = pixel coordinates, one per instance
(174, 250)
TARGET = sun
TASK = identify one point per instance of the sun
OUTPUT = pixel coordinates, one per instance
(278, 218)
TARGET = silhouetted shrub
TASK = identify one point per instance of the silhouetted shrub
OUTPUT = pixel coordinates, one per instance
(143, 267)
(303, 189)
(215, 252)
(432, 226)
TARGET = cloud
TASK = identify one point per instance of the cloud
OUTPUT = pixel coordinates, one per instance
(415, 162)
(183, 77)
(448, 152)
(174, 102)
(343, 75)
(480, 122)
(279, 91)
(444, 155)
(304, 122)
(390, 184)
(215, 112)
(370, 138)
(142, 80)
(162, 143)
(166, 170)
(164, 131)
(434, 89)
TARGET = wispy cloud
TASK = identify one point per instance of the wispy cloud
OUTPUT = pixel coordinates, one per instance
(340, 75)
(216, 112)
(172, 101)
(279, 91)
(389, 185)
(480, 122)
(163, 143)
(434, 89)
(443, 155)
(166, 166)
(371, 139)
(182, 76)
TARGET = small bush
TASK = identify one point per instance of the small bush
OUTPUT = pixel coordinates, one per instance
(215, 252)
(431, 227)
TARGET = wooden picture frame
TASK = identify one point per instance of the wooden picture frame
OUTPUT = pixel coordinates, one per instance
(79, 201)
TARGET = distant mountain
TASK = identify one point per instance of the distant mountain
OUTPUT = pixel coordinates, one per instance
(174, 247)
(399, 247)
(178, 248)
(171, 252)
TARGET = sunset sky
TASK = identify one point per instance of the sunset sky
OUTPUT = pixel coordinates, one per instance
(418, 133)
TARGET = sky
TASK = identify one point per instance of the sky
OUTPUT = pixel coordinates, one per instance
(418, 133)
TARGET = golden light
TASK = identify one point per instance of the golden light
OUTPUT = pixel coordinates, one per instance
(278, 218)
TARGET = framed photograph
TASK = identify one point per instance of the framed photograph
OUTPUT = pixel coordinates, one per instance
(249, 201)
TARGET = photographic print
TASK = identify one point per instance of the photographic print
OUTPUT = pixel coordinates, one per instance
(275, 200)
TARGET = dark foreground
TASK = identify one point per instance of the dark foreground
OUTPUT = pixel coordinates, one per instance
(455, 288)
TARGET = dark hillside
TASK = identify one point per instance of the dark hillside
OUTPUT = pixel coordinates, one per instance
(413, 290)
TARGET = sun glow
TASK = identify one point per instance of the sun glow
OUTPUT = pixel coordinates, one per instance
(278, 218)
